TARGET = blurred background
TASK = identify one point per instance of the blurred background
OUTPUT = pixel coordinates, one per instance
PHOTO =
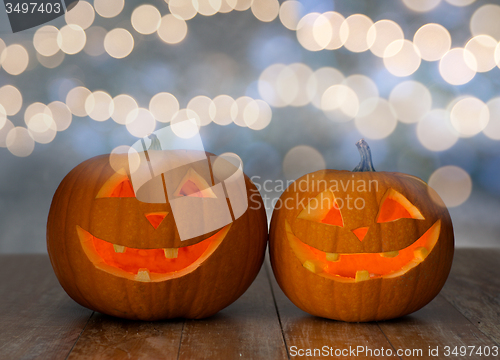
(288, 86)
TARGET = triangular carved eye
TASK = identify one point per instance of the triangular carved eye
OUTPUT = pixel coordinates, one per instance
(118, 185)
(323, 209)
(194, 185)
(395, 206)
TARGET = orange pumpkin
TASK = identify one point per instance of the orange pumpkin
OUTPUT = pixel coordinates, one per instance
(117, 255)
(360, 245)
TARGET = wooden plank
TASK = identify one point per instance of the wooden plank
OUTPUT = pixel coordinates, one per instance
(106, 337)
(435, 326)
(37, 318)
(303, 331)
(474, 288)
(247, 329)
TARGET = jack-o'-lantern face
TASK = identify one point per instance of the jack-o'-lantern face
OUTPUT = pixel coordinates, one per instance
(360, 246)
(122, 257)
(119, 255)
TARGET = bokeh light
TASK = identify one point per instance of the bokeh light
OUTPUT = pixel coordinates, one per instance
(265, 10)
(172, 29)
(51, 62)
(492, 130)
(140, 122)
(460, 2)
(45, 40)
(469, 116)
(484, 21)
(363, 86)
(402, 58)
(71, 39)
(207, 7)
(482, 47)
(164, 106)
(182, 9)
(19, 142)
(289, 14)
(226, 110)
(382, 34)
(354, 32)
(302, 160)
(4, 131)
(452, 183)
(205, 108)
(185, 124)
(340, 103)
(14, 59)
(42, 127)
(435, 132)
(433, 41)
(61, 115)
(421, 5)
(109, 8)
(123, 105)
(411, 100)
(305, 32)
(376, 118)
(257, 114)
(241, 5)
(11, 99)
(119, 43)
(82, 14)
(146, 19)
(456, 66)
(333, 26)
(323, 78)
(75, 100)
(99, 106)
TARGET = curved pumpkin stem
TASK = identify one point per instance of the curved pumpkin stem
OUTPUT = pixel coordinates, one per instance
(155, 143)
(366, 157)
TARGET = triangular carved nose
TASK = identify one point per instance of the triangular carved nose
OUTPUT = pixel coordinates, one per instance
(361, 232)
(155, 218)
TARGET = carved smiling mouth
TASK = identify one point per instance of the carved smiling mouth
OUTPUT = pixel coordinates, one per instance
(148, 265)
(360, 267)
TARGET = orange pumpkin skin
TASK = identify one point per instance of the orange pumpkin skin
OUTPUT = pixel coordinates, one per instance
(315, 288)
(217, 280)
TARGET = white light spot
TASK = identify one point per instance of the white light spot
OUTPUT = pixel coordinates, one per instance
(456, 66)
(302, 160)
(452, 183)
(411, 100)
(433, 41)
(164, 106)
(435, 132)
(469, 116)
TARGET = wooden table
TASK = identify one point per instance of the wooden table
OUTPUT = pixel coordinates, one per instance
(38, 320)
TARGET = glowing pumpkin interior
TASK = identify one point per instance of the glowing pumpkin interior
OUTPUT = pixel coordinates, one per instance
(355, 267)
(149, 264)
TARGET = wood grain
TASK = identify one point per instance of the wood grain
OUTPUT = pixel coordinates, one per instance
(106, 337)
(436, 325)
(247, 329)
(474, 288)
(304, 331)
(37, 318)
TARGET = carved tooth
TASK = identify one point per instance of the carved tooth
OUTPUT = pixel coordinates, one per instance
(171, 253)
(309, 265)
(332, 257)
(119, 248)
(389, 254)
(143, 275)
(362, 275)
(421, 253)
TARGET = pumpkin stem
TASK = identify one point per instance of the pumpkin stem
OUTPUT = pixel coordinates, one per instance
(366, 157)
(155, 143)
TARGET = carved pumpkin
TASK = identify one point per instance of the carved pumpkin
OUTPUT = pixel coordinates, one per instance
(360, 245)
(117, 255)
